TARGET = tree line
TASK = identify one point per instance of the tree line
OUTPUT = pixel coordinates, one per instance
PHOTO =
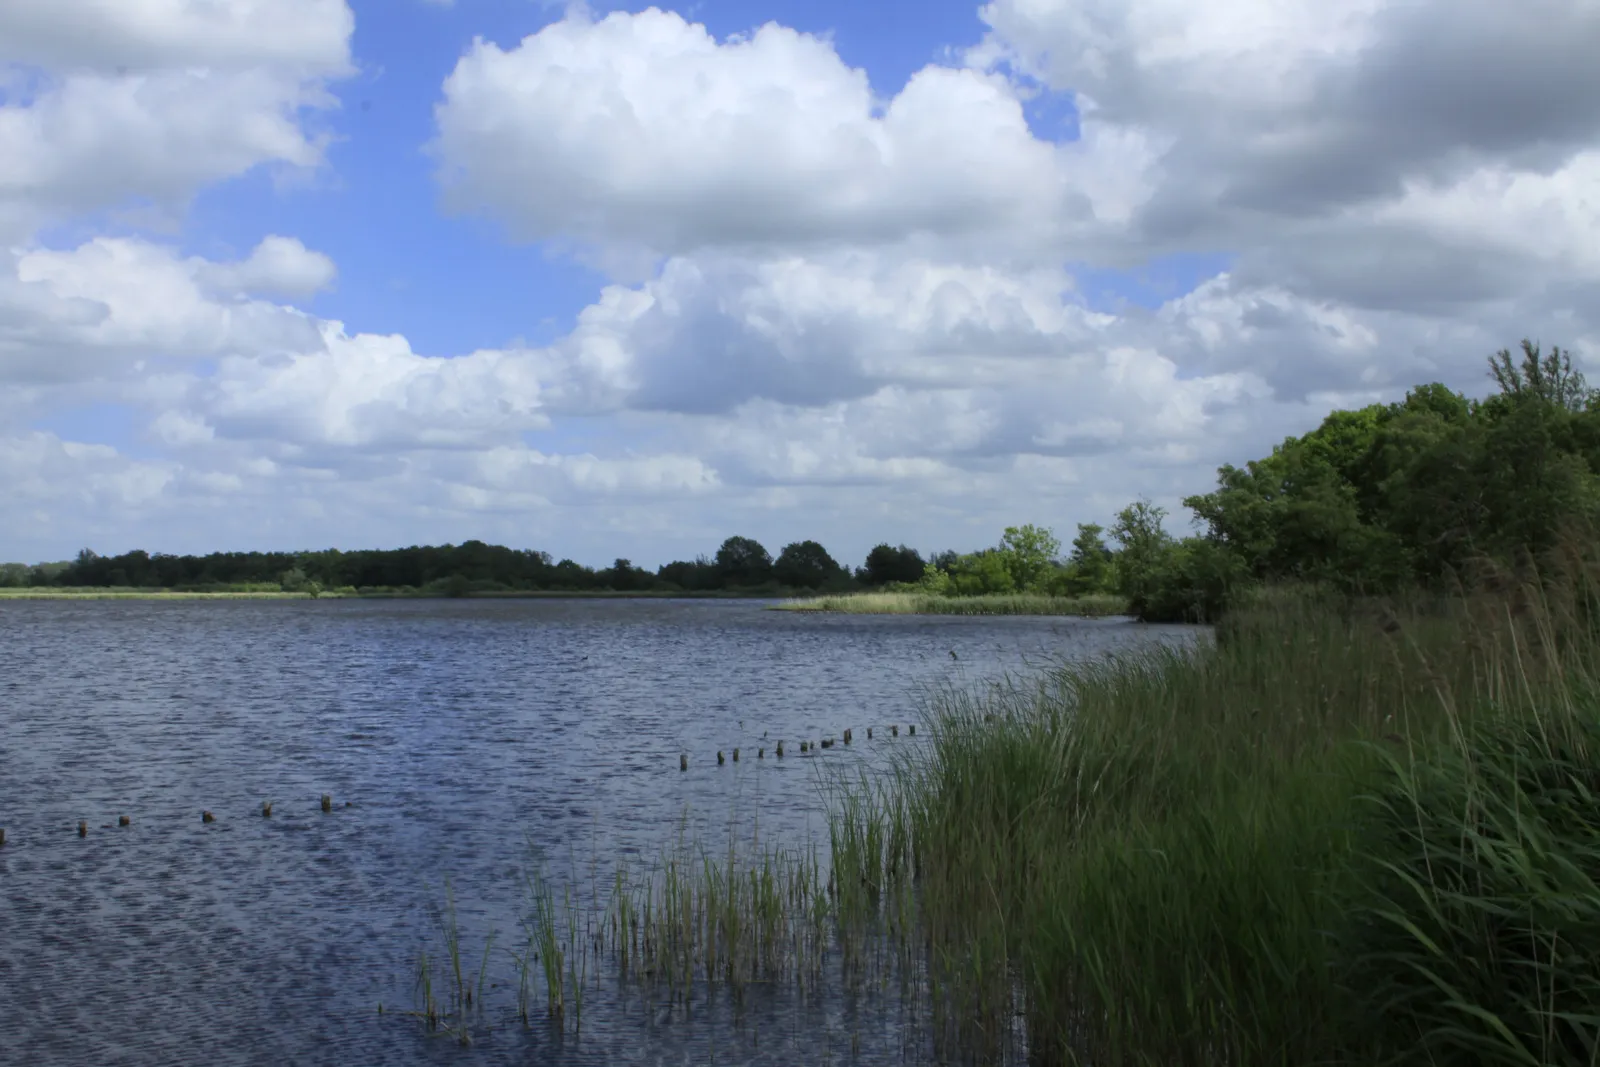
(740, 565)
(1386, 497)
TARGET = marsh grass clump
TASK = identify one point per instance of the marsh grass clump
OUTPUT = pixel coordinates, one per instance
(1297, 844)
(1474, 937)
(450, 996)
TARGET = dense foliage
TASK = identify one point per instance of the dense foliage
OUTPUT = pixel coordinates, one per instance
(1386, 498)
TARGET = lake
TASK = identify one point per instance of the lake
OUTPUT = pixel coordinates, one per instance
(465, 736)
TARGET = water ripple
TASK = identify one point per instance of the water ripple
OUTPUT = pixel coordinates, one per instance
(460, 733)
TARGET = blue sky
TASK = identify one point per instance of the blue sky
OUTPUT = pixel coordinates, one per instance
(614, 281)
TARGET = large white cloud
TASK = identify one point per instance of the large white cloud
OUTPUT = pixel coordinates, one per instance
(114, 307)
(116, 101)
(643, 130)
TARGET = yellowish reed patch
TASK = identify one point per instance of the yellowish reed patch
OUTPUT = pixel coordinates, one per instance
(928, 604)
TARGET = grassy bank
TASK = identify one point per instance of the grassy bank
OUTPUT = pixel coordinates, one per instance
(928, 604)
(1349, 833)
(124, 593)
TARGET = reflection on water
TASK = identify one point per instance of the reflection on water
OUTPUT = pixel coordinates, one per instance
(461, 735)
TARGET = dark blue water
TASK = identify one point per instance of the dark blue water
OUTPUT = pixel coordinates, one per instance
(457, 738)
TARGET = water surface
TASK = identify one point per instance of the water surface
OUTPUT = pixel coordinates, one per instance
(461, 733)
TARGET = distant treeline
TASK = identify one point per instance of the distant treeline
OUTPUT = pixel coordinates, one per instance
(741, 565)
(1390, 497)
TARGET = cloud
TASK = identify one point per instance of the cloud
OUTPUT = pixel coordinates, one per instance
(128, 36)
(644, 131)
(370, 393)
(1284, 109)
(113, 307)
(151, 100)
(278, 266)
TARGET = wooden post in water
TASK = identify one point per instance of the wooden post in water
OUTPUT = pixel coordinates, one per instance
(327, 802)
(736, 755)
(683, 761)
(206, 816)
(266, 809)
(123, 820)
(83, 828)
(780, 749)
(913, 729)
(869, 733)
(720, 760)
(847, 735)
(2, 837)
(761, 753)
(894, 731)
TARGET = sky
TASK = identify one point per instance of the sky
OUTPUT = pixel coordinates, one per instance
(614, 281)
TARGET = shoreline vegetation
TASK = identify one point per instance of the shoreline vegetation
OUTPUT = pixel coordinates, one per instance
(914, 602)
(127, 593)
(1348, 831)
(1359, 826)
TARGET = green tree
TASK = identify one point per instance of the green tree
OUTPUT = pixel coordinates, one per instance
(1029, 553)
(886, 564)
(624, 577)
(1549, 378)
(805, 565)
(697, 574)
(982, 573)
(1089, 564)
(743, 562)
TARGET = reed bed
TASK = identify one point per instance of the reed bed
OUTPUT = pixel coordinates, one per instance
(697, 924)
(1350, 832)
(912, 603)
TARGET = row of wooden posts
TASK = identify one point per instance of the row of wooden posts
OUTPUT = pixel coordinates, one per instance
(805, 746)
(205, 817)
